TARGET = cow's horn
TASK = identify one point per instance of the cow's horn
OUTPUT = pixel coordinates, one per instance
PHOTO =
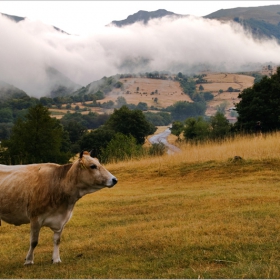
(81, 154)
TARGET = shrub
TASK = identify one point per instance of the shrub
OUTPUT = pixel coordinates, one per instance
(121, 147)
(157, 149)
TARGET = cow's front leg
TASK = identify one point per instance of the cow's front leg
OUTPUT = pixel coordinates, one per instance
(56, 242)
(34, 236)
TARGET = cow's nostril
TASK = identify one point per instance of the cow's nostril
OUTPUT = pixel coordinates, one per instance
(115, 181)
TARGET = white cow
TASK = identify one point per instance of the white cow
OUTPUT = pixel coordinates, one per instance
(45, 195)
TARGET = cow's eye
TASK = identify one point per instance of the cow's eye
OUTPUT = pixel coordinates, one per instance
(94, 166)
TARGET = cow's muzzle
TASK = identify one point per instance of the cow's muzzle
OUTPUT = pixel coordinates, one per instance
(114, 182)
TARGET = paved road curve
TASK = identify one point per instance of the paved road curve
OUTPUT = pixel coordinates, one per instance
(162, 138)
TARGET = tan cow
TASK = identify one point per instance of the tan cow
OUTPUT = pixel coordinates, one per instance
(45, 195)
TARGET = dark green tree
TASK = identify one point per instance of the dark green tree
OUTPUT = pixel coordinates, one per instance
(142, 106)
(208, 95)
(75, 131)
(220, 126)
(121, 147)
(158, 119)
(96, 140)
(261, 103)
(177, 128)
(132, 122)
(196, 130)
(37, 139)
(6, 115)
(182, 110)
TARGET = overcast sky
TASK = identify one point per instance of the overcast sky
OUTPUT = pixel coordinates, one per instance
(30, 47)
(85, 17)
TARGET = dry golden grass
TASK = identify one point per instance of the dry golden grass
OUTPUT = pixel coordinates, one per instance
(168, 92)
(194, 214)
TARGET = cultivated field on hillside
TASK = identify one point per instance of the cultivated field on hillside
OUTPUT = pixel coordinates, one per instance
(223, 81)
(167, 92)
(194, 214)
(163, 93)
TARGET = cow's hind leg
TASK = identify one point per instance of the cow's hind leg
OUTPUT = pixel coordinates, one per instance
(34, 236)
(56, 242)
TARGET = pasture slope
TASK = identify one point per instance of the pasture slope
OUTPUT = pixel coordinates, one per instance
(167, 92)
(196, 214)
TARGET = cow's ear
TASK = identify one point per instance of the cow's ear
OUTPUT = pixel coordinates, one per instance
(81, 154)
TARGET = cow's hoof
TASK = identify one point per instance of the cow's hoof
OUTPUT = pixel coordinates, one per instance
(56, 261)
(28, 262)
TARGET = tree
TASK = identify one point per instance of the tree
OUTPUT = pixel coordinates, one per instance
(6, 115)
(96, 140)
(220, 126)
(158, 119)
(37, 139)
(177, 128)
(120, 147)
(196, 129)
(142, 106)
(75, 130)
(182, 110)
(208, 95)
(261, 103)
(132, 122)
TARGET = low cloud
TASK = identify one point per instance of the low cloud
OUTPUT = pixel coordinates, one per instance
(185, 45)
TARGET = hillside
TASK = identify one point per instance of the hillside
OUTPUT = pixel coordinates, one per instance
(222, 81)
(146, 90)
(8, 91)
(262, 21)
(60, 85)
(163, 93)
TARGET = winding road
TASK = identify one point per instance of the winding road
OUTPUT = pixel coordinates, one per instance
(162, 138)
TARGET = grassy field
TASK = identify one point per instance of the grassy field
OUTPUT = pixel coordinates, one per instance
(194, 214)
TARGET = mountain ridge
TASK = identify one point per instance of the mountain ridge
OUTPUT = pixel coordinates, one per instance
(18, 19)
(263, 22)
(144, 16)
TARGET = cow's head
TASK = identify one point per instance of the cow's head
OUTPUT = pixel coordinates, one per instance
(93, 174)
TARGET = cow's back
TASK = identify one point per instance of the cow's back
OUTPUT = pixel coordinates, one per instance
(18, 184)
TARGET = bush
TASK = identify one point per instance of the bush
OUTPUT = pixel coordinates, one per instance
(121, 147)
(157, 149)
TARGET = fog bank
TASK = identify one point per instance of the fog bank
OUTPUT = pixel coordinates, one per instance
(185, 45)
